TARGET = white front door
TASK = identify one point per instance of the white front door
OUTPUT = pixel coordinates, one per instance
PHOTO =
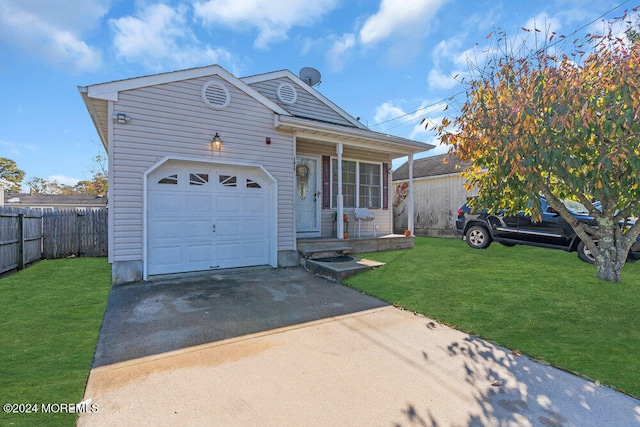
(308, 196)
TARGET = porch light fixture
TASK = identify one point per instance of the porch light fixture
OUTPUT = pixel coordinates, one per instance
(216, 142)
(121, 118)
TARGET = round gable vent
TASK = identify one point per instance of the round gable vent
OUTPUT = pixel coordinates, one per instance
(287, 93)
(215, 95)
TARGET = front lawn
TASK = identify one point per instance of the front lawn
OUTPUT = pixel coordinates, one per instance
(50, 314)
(545, 303)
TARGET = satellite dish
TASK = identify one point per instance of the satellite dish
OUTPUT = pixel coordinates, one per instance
(310, 76)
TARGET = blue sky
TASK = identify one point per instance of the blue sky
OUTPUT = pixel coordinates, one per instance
(389, 62)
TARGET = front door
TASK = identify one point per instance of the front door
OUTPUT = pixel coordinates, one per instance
(308, 196)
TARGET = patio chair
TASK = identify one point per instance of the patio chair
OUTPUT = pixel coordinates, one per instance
(364, 214)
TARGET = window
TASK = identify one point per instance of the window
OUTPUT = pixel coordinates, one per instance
(171, 179)
(348, 183)
(227, 180)
(361, 184)
(198, 178)
(370, 188)
(252, 184)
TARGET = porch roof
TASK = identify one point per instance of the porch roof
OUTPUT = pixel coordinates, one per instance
(365, 139)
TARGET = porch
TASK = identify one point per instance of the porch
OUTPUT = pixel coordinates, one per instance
(330, 257)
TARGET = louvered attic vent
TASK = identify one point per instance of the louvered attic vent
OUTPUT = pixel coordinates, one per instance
(287, 93)
(215, 95)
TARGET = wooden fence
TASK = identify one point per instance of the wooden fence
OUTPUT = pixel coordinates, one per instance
(20, 238)
(27, 235)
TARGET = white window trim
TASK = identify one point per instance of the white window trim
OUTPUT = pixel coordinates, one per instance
(357, 195)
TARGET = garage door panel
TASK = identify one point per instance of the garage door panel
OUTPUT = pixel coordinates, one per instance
(201, 255)
(209, 225)
(228, 204)
(228, 228)
(198, 229)
(229, 254)
(167, 255)
(255, 227)
(257, 250)
(166, 229)
(200, 203)
(255, 205)
(162, 203)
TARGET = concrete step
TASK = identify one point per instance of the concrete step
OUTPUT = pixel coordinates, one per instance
(340, 270)
(322, 249)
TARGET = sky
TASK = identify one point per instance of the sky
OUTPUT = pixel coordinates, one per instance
(395, 64)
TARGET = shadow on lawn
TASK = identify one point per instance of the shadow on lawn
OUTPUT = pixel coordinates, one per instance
(515, 390)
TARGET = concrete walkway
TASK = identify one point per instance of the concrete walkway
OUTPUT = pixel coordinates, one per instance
(366, 363)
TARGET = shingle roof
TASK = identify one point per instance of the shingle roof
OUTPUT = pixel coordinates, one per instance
(54, 199)
(430, 166)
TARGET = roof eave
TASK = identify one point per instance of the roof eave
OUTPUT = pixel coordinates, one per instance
(396, 146)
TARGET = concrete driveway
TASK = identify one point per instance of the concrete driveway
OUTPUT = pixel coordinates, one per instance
(285, 347)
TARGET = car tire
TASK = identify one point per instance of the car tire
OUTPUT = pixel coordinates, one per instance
(478, 237)
(584, 253)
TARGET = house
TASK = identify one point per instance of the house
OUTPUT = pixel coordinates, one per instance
(4, 185)
(438, 193)
(211, 171)
(79, 202)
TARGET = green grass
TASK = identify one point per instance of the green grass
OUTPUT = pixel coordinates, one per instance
(50, 314)
(545, 303)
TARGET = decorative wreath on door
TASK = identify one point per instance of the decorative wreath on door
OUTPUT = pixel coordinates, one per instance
(302, 178)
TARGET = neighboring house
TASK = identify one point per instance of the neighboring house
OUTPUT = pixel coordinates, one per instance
(78, 202)
(4, 185)
(438, 193)
(207, 170)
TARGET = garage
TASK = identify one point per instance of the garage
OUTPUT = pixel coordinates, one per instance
(204, 216)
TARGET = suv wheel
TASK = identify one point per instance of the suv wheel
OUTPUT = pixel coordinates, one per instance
(478, 237)
(585, 254)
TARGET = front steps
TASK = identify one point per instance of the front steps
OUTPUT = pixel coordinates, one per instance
(314, 254)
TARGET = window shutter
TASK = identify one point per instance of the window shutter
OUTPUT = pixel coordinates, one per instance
(326, 182)
(385, 186)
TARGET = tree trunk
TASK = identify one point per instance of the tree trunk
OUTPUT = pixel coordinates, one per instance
(610, 273)
(608, 264)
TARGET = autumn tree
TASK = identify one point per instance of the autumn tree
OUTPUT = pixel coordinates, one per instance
(39, 185)
(563, 125)
(96, 186)
(10, 171)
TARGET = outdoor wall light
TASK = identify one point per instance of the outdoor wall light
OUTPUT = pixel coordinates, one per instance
(216, 142)
(121, 118)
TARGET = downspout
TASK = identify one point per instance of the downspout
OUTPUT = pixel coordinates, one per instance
(410, 201)
(339, 201)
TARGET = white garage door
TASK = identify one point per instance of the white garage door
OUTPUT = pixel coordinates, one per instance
(203, 217)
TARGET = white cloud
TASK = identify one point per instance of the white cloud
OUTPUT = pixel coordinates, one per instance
(272, 18)
(421, 120)
(399, 17)
(10, 149)
(52, 30)
(160, 36)
(338, 52)
(63, 179)
(439, 80)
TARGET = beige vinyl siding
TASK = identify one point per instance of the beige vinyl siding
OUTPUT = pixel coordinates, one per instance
(306, 105)
(383, 217)
(172, 120)
(436, 203)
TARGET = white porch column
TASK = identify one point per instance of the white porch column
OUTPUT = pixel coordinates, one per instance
(339, 201)
(410, 201)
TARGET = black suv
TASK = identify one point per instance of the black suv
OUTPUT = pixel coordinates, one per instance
(479, 229)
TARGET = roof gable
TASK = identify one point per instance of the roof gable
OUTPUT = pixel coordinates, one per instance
(109, 91)
(431, 166)
(315, 101)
